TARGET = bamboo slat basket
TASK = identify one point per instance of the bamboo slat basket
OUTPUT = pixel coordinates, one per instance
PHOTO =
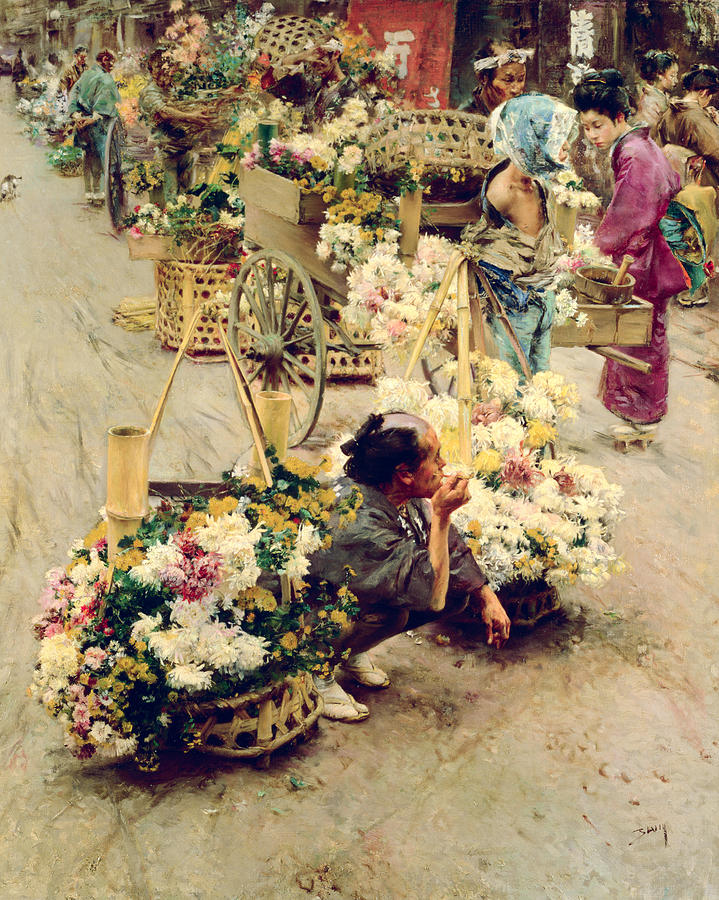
(440, 140)
(526, 603)
(284, 35)
(255, 724)
(181, 289)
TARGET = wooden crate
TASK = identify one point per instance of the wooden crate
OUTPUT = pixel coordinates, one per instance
(627, 326)
(149, 246)
(280, 196)
(274, 232)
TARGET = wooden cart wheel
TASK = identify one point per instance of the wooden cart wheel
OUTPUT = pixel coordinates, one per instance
(115, 196)
(275, 324)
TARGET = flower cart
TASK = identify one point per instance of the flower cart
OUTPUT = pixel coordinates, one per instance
(283, 316)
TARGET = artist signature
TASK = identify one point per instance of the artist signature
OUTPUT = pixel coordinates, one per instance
(650, 829)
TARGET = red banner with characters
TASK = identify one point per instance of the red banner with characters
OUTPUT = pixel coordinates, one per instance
(421, 35)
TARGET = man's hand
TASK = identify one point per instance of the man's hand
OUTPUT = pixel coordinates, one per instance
(494, 617)
(449, 496)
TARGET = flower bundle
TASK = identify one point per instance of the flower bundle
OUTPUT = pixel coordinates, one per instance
(192, 612)
(143, 176)
(568, 189)
(531, 517)
(207, 231)
(394, 299)
(67, 159)
(357, 221)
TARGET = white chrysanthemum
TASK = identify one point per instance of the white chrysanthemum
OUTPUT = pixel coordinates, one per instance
(495, 378)
(191, 678)
(158, 557)
(507, 434)
(173, 645)
(101, 732)
(442, 412)
(192, 614)
(85, 573)
(535, 404)
(548, 495)
(58, 659)
(144, 625)
(308, 540)
(396, 393)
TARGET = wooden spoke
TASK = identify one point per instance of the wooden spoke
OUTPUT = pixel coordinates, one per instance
(292, 360)
(305, 388)
(295, 322)
(250, 332)
(262, 296)
(298, 339)
(286, 294)
(255, 308)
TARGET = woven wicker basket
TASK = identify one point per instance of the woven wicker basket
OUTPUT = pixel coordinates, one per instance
(526, 603)
(181, 288)
(258, 723)
(441, 140)
(287, 34)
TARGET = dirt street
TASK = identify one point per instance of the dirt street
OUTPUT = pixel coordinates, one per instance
(580, 761)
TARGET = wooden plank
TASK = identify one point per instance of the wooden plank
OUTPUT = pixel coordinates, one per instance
(281, 197)
(628, 326)
(273, 232)
(181, 489)
(457, 214)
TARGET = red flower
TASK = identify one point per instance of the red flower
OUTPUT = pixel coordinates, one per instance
(566, 482)
(518, 472)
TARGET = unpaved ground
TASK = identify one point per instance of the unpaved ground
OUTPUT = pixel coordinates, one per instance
(520, 774)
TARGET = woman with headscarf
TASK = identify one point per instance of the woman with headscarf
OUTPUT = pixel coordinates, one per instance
(501, 72)
(516, 242)
(660, 71)
(644, 185)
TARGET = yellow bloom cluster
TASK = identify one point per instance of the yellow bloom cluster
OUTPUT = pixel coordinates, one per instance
(540, 433)
(300, 468)
(289, 640)
(133, 556)
(97, 534)
(219, 506)
(487, 462)
(260, 598)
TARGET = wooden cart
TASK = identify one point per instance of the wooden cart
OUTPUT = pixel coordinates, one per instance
(284, 312)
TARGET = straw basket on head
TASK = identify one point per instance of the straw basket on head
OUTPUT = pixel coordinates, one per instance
(284, 35)
(441, 141)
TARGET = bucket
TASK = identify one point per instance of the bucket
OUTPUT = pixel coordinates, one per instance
(594, 283)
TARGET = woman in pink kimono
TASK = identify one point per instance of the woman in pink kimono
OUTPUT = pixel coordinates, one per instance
(644, 185)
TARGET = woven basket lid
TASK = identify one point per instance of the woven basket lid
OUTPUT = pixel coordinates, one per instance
(438, 138)
(288, 34)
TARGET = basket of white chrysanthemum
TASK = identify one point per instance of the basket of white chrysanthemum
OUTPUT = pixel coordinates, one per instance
(187, 640)
(536, 519)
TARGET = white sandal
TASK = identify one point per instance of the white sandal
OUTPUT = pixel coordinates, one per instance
(341, 706)
(365, 672)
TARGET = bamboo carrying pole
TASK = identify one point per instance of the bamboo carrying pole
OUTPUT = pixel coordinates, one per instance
(434, 309)
(464, 370)
(410, 212)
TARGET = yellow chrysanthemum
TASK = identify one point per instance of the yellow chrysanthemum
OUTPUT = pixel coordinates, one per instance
(289, 640)
(487, 462)
(97, 534)
(540, 433)
(218, 507)
(195, 520)
(129, 558)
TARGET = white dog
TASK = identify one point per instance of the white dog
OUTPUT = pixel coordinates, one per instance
(9, 186)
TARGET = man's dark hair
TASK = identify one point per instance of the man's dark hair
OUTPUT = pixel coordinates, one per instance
(376, 451)
(603, 91)
(702, 78)
(656, 62)
(81, 48)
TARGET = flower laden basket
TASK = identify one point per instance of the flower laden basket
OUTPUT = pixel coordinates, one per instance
(181, 289)
(285, 35)
(444, 143)
(527, 602)
(257, 723)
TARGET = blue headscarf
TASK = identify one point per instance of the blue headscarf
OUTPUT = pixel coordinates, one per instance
(531, 130)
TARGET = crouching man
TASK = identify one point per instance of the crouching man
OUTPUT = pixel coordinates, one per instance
(410, 565)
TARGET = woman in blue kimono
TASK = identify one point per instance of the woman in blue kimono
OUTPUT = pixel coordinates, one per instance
(516, 243)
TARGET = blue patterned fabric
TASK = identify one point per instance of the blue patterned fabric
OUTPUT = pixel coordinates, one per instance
(531, 130)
